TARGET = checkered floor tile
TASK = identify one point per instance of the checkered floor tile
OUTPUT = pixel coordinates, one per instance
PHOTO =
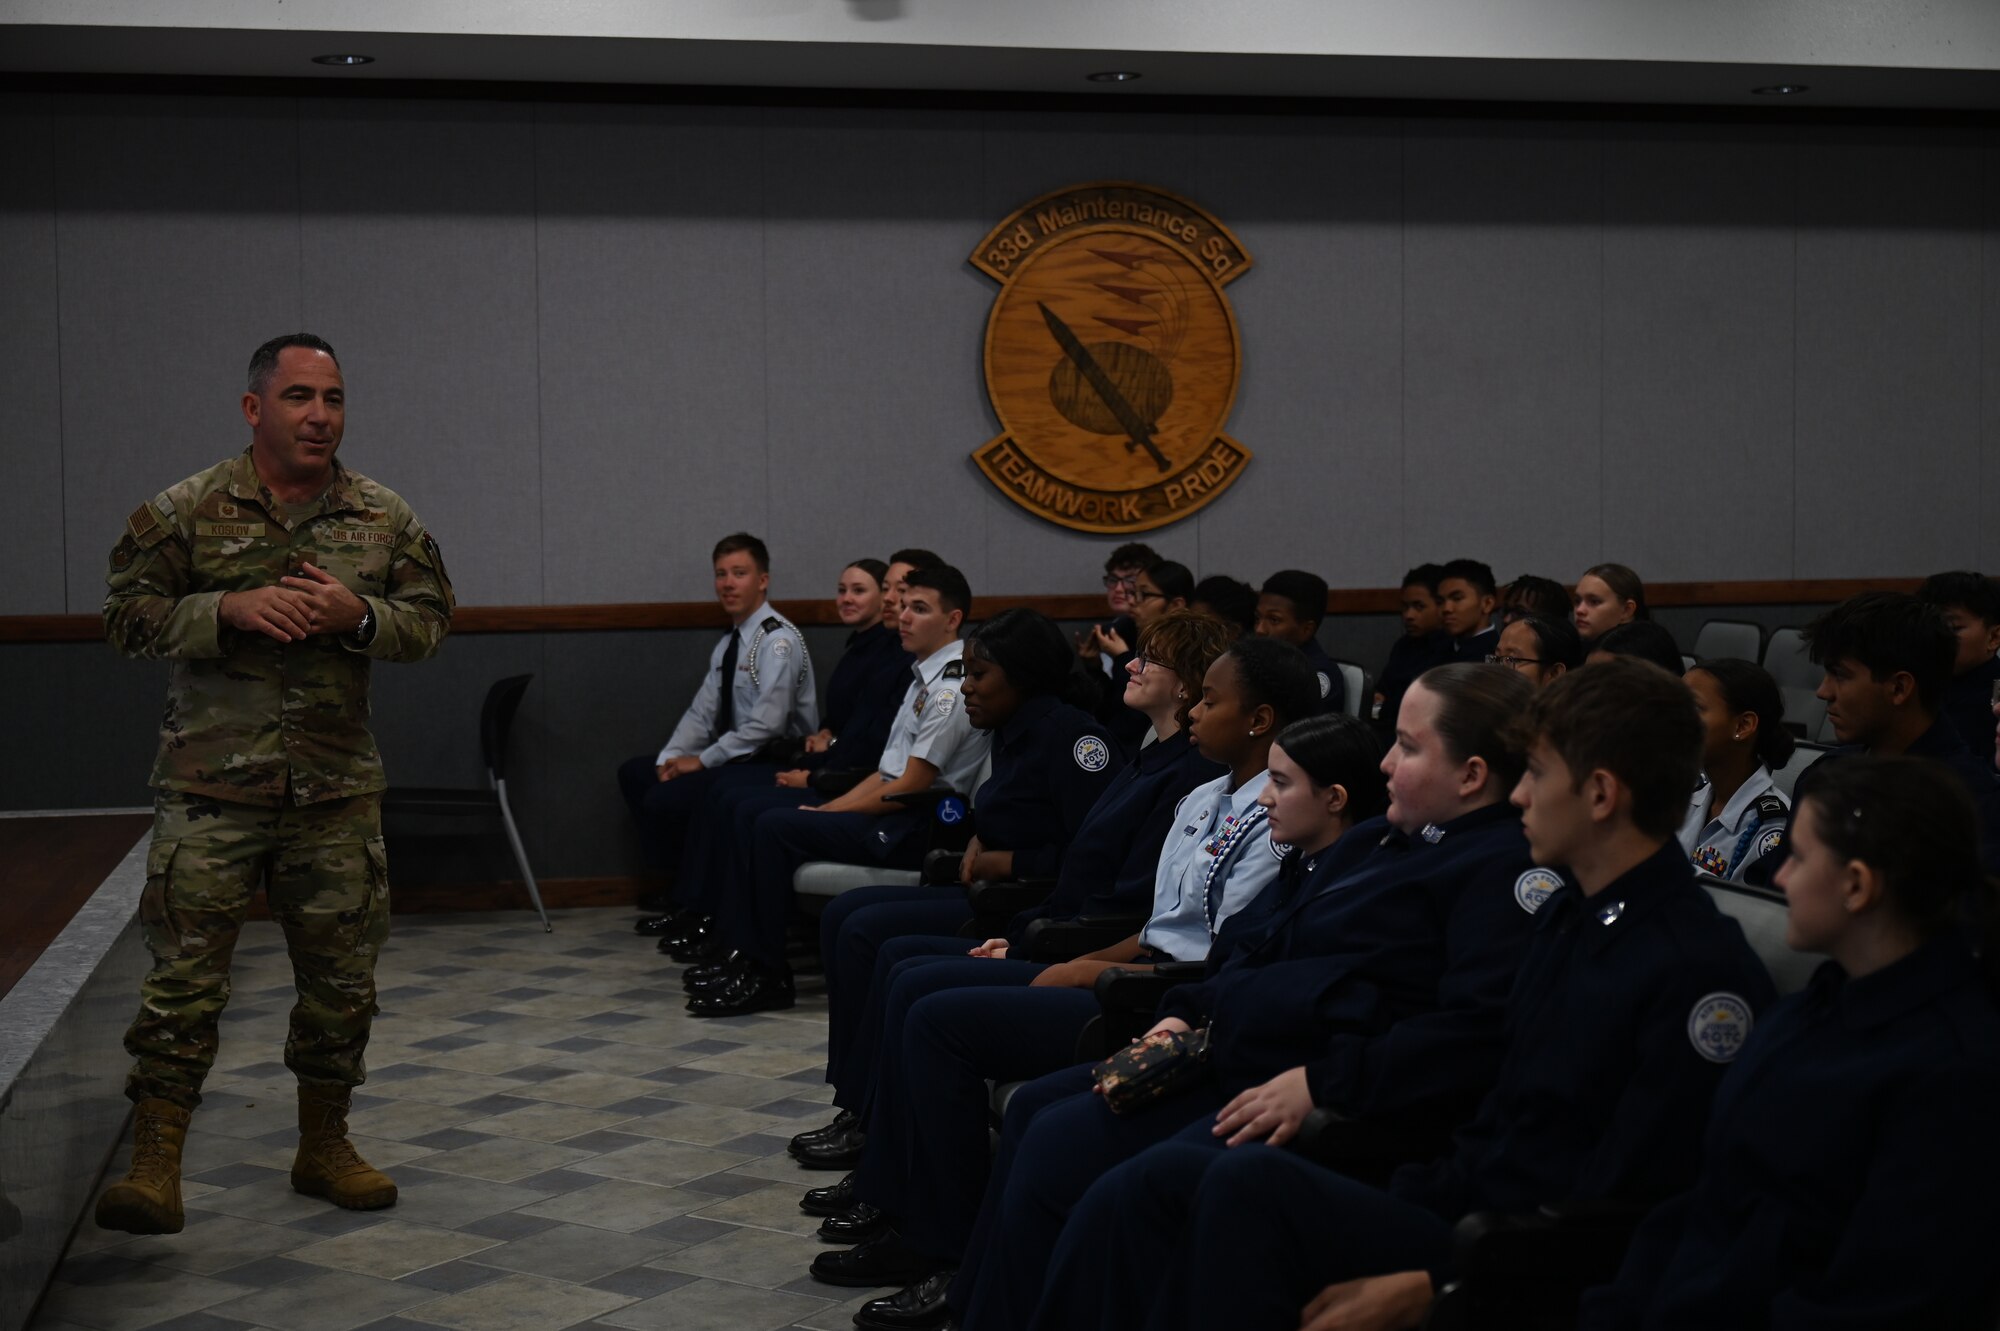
(571, 1148)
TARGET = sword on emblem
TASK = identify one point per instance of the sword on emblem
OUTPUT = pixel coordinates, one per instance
(1128, 417)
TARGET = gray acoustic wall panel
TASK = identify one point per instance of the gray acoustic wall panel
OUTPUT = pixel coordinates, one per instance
(652, 376)
(178, 226)
(1889, 354)
(1988, 553)
(1318, 205)
(418, 250)
(1503, 340)
(1697, 431)
(31, 543)
(872, 328)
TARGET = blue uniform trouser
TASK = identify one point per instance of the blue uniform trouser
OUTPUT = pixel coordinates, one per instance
(1067, 1140)
(1195, 1234)
(854, 930)
(665, 811)
(753, 912)
(716, 853)
(928, 1158)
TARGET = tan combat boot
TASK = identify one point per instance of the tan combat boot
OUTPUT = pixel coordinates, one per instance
(148, 1199)
(327, 1164)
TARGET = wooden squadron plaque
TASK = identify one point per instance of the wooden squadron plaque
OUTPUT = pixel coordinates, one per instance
(1112, 357)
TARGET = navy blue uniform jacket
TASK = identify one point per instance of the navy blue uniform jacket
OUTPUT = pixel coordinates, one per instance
(1968, 706)
(1849, 1175)
(867, 686)
(1115, 854)
(1409, 658)
(1387, 976)
(1620, 1025)
(1941, 744)
(1333, 697)
(1050, 763)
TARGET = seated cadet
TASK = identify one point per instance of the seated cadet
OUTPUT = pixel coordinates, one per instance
(1424, 644)
(926, 1158)
(1466, 599)
(1161, 586)
(1970, 604)
(1108, 869)
(1051, 763)
(1290, 609)
(1738, 815)
(932, 744)
(1642, 639)
(1849, 1172)
(1380, 994)
(758, 689)
(1635, 995)
(871, 657)
(1887, 658)
(1230, 600)
(1530, 597)
(1541, 649)
(1121, 594)
(862, 698)
(1608, 595)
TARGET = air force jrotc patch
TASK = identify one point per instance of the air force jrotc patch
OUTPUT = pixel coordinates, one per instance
(1532, 888)
(1718, 1026)
(1092, 754)
(1325, 683)
(1768, 842)
(1280, 849)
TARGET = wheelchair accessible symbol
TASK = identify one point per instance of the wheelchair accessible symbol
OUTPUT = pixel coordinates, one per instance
(951, 810)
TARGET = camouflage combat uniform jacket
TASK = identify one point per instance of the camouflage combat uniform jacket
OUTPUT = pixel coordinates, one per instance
(250, 719)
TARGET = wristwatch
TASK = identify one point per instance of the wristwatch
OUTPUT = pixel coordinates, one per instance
(364, 632)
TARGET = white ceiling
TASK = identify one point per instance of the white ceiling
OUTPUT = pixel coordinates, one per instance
(1892, 54)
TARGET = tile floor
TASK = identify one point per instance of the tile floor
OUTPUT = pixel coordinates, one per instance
(572, 1150)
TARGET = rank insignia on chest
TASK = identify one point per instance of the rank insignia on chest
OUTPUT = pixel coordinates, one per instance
(1432, 833)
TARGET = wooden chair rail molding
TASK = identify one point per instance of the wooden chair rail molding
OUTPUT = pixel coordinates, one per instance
(705, 615)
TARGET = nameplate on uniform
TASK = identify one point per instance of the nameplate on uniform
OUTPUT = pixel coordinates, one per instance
(228, 529)
(357, 536)
(1112, 357)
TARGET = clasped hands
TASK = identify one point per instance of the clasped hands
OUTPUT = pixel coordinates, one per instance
(301, 604)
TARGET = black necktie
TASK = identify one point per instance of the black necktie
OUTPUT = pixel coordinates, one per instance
(725, 704)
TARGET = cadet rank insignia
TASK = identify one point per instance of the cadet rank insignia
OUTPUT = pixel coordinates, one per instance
(1112, 357)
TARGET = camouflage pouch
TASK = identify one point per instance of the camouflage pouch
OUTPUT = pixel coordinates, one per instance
(1152, 1069)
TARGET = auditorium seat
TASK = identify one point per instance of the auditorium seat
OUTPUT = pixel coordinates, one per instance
(1356, 681)
(1737, 638)
(1785, 657)
(950, 829)
(1804, 756)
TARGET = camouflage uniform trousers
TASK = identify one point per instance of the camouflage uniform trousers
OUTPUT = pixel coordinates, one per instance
(326, 877)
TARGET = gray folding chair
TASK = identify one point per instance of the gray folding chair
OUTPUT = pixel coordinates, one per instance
(1736, 638)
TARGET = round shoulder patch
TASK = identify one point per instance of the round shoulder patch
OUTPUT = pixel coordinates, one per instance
(1718, 1026)
(1280, 849)
(1768, 841)
(942, 701)
(781, 648)
(1325, 683)
(1534, 887)
(1092, 754)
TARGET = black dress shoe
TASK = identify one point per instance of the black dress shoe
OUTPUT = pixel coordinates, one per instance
(830, 1200)
(691, 927)
(659, 926)
(696, 951)
(857, 1224)
(712, 977)
(884, 1261)
(836, 1150)
(917, 1307)
(843, 1120)
(752, 991)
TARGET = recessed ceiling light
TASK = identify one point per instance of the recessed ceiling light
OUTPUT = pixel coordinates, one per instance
(1114, 76)
(1780, 90)
(343, 60)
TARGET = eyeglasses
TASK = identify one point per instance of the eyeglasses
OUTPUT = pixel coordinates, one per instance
(1112, 580)
(1511, 662)
(1145, 595)
(1146, 663)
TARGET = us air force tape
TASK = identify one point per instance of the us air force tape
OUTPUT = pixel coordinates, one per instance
(1534, 887)
(1092, 754)
(1718, 1026)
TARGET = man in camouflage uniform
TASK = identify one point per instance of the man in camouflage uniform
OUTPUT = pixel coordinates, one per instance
(271, 581)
